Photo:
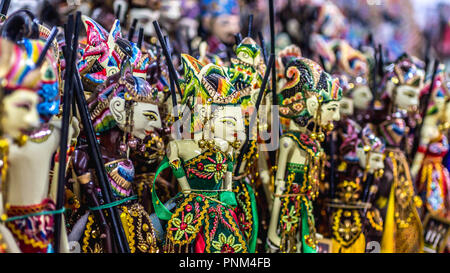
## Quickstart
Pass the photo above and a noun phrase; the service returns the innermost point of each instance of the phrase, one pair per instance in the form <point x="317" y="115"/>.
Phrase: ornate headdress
<point x="246" y="71"/>
<point x="123" y="85"/>
<point x="105" y="52"/>
<point x="305" y="79"/>
<point x="18" y="71"/>
<point x="404" y="71"/>
<point x="206" y="85"/>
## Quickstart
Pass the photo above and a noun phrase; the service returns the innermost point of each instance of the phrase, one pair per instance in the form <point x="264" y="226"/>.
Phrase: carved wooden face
<point x="376" y="160"/>
<point x="346" y="106"/>
<point x="145" y="18"/>
<point x="362" y="97"/>
<point x="20" y="112"/>
<point x="330" y="112"/>
<point x="407" y="97"/>
<point x="225" y="26"/>
<point x="228" y="123"/>
<point x="146" y="117"/>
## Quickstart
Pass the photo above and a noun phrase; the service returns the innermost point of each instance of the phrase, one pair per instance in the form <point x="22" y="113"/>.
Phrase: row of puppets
<point x="114" y="140"/>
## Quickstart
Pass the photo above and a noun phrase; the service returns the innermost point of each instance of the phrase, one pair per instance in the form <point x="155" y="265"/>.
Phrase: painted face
<point x="407" y="97"/>
<point x="330" y="112"/>
<point x="362" y="97"/>
<point x="346" y="106"/>
<point x="145" y="19"/>
<point x="228" y="123"/>
<point x="20" y="112"/>
<point x="171" y="10"/>
<point x="225" y="26"/>
<point x="146" y="118"/>
<point x="376" y="160"/>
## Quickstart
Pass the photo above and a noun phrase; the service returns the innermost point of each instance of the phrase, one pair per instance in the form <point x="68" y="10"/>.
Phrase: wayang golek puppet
<point x="253" y="177"/>
<point x="310" y="99"/>
<point x="359" y="171"/>
<point x="125" y="110"/>
<point x="26" y="116"/>
<point x="402" y="226"/>
<point x="431" y="176"/>
<point x="203" y="219"/>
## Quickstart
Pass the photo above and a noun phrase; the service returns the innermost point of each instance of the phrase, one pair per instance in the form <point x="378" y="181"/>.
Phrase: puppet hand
<point x="265" y="176"/>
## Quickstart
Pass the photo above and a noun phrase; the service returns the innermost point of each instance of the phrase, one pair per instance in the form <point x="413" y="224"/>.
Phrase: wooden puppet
<point x="397" y="201"/>
<point x="432" y="178"/>
<point x="246" y="73"/>
<point x="203" y="219"/>
<point x="221" y="21"/>
<point x="124" y="112"/>
<point x="361" y="157"/>
<point x="33" y="233"/>
<point x="310" y="98"/>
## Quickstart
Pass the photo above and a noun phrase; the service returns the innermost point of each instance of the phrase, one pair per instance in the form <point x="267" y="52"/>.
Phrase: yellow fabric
<point x="388" y="240"/>
<point x="358" y="247"/>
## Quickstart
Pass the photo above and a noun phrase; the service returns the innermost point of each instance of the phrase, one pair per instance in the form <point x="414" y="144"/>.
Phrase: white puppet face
<point x="225" y="27"/>
<point x="346" y="106"/>
<point x="362" y="97"/>
<point x="145" y="18"/>
<point x="330" y="112"/>
<point x="376" y="160"/>
<point x="146" y="117"/>
<point x="20" y="112"/>
<point x="171" y="10"/>
<point x="407" y="97"/>
<point x="228" y="123"/>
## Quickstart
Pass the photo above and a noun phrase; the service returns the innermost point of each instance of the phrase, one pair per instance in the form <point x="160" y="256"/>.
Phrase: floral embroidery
<point x="226" y="245"/>
<point x="290" y="219"/>
<point x="306" y="140"/>
<point x="186" y="221"/>
<point x="218" y="167"/>
<point x="183" y="226"/>
<point x="215" y="170"/>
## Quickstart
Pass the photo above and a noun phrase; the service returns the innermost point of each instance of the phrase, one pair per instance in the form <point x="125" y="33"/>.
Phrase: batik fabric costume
<point x="402" y="226"/>
<point x="302" y="180"/>
<point x="433" y="180"/>
<point x="246" y="76"/>
<point x="203" y="220"/>
<point x="120" y="170"/>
